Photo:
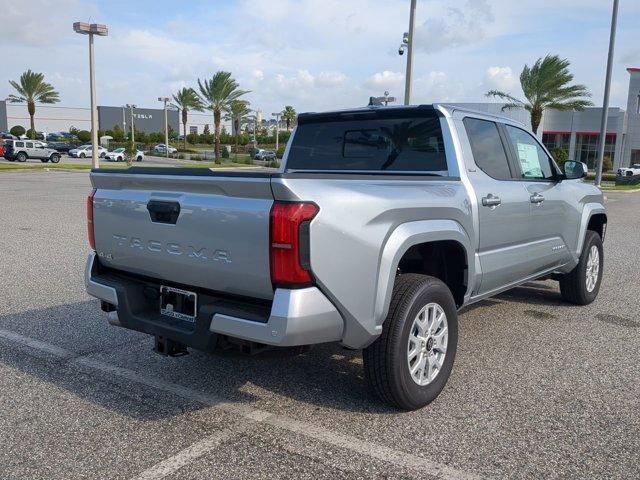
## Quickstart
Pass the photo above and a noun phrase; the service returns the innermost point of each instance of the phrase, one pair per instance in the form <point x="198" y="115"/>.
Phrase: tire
<point x="82" y="155"/>
<point x="138" y="159"/>
<point x="21" y="157"/>
<point x="575" y="287"/>
<point x="55" y="158"/>
<point x="102" y="155"/>
<point x="387" y="361"/>
<point x="119" y="159"/>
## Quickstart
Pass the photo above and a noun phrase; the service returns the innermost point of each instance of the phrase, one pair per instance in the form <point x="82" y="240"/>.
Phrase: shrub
<point x="607" y="164"/>
<point x="280" y="152"/>
<point x="17" y="130"/>
<point x="84" y="136"/>
<point x="130" y="152"/>
<point x="225" y="152"/>
<point x="560" y="155"/>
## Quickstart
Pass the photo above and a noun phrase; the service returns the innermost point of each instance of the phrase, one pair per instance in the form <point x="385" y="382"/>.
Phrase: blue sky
<point x="313" y="54"/>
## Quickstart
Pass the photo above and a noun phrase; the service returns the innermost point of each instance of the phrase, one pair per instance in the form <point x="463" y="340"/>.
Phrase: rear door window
<point x="487" y="148"/>
<point x="19" y="144"/>
<point x="413" y="145"/>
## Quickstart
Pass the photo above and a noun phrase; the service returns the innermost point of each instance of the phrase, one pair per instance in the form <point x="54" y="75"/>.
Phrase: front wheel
<point x="55" y="158"/>
<point x="582" y="284"/>
<point x="410" y="363"/>
<point x="82" y="155"/>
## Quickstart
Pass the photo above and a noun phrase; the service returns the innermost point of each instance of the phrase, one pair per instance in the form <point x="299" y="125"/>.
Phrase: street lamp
<point x="277" y="115"/>
<point x="133" y="130"/>
<point x="407" y="44"/>
<point x="102" y="31"/>
<point x="166" y="125"/>
<point x="607" y="90"/>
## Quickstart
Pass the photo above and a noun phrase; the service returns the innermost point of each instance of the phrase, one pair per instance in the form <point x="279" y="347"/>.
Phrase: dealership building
<point x="576" y="132"/>
<point x="55" y="118"/>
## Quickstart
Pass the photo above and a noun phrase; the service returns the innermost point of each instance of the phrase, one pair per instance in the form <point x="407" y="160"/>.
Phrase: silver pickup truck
<point x="379" y="226"/>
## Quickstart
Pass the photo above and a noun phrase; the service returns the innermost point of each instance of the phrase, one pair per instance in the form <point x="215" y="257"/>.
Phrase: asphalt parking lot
<point x="540" y="389"/>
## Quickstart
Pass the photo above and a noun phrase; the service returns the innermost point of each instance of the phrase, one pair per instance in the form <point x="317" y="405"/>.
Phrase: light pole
<point x="166" y="125"/>
<point x="607" y="90"/>
<point x="277" y="115"/>
<point x="130" y="106"/>
<point x="407" y="44"/>
<point x="102" y="31"/>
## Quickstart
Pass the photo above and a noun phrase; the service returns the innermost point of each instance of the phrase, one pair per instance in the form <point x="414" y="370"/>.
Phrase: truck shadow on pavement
<point x="327" y="376"/>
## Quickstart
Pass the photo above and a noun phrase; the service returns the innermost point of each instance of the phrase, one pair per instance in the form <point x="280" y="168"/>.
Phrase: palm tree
<point x="238" y="111"/>
<point x="289" y="115"/>
<point x="217" y="93"/>
<point x="546" y="85"/>
<point x="31" y="89"/>
<point x="187" y="99"/>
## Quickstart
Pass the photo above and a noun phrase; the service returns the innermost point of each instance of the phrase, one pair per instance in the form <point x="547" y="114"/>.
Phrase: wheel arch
<point x="594" y="216"/>
<point x="424" y="247"/>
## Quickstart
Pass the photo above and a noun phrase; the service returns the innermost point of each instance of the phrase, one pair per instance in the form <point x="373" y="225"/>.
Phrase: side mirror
<point x="575" y="170"/>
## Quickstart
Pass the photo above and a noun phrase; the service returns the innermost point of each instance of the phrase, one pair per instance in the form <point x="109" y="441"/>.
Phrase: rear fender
<point x="403" y="238"/>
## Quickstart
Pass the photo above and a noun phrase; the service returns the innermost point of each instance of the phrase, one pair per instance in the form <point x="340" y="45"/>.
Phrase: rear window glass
<point x="19" y="144"/>
<point x="488" y="150"/>
<point x="378" y="145"/>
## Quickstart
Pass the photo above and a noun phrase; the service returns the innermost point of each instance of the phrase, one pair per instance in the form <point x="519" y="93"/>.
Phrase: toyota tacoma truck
<point x="380" y="224"/>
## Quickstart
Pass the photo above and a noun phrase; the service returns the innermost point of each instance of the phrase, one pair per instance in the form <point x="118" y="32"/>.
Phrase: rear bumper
<point x="295" y="317"/>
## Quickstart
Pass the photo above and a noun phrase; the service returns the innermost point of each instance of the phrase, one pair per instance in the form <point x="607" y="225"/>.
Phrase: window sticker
<point x="529" y="162"/>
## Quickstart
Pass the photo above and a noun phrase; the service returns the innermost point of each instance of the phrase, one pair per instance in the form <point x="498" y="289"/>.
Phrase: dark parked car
<point x="62" y="147"/>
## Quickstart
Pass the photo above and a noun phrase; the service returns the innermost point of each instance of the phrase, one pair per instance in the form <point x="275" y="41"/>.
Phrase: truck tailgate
<point x="205" y="231"/>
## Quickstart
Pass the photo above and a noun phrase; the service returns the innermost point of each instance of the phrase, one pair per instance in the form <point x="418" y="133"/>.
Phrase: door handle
<point x="491" y="201"/>
<point x="536" y="198"/>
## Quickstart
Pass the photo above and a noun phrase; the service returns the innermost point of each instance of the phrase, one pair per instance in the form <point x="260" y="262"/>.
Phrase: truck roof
<point x="396" y="111"/>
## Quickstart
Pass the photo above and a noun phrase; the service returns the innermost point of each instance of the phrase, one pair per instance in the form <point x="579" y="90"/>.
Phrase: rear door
<point x="198" y="230"/>
<point x="503" y="207"/>
<point x="30" y="149"/>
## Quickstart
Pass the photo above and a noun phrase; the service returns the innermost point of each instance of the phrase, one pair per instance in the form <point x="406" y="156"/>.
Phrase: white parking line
<point x="185" y="457"/>
<point x="349" y="442"/>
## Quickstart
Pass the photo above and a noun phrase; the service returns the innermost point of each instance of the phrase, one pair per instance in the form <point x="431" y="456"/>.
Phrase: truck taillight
<point x="290" y="243"/>
<point x="90" y="232"/>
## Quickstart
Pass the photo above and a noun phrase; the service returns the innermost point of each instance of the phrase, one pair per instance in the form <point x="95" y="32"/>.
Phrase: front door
<point x="503" y="208"/>
<point x="550" y="212"/>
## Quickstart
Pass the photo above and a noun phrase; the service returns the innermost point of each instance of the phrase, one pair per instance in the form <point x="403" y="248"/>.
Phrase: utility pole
<point x="607" y="91"/>
<point x="166" y="125"/>
<point x="407" y="41"/>
<point x="277" y="115"/>
<point x="102" y="31"/>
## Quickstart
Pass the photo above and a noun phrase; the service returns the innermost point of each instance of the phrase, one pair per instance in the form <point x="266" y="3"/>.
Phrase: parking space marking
<point x="354" y="444"/>
<point x="185" y="457"/>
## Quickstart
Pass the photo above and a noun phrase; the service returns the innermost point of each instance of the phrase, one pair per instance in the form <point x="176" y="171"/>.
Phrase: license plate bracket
<point x="178" y="303"/>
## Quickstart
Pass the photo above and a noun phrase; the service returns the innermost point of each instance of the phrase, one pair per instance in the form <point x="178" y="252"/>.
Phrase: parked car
<point x="162" y="148"/>
<point x="118" y="155"/>
<point x="62" y="147"/>
<point x="7" y="136"/>
<point x="1" y="150"/>
<point x="265" y="155"/>
<point x="630" y="171"/>
<point x="380" y="224"/>
<point x="21" y="150"/>
<point x="84" y="151"/>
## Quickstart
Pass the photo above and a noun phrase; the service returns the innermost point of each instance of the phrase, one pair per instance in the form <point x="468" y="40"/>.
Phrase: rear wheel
<point x="410" y="363"/>
<point x="21" y="157"/>
<point x="82" y="155"/>
<point x="582" y="284"/>
<point x="55" y="158"/>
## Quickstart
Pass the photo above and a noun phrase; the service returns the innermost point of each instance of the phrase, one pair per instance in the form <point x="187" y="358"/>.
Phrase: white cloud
<point x="258" y="74"/>
<point x="331" y="79"/>
<point x="386" y="80"/>
<point x="501" y="78"/>
<point x="455" y="26"/>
